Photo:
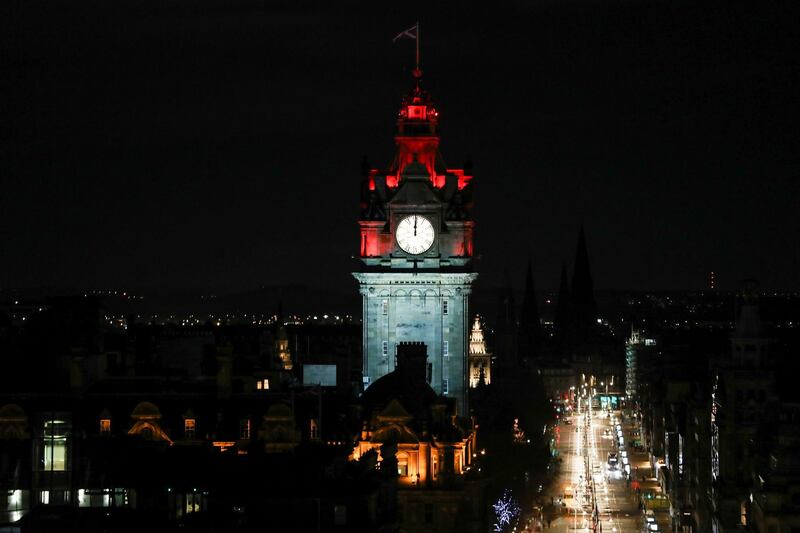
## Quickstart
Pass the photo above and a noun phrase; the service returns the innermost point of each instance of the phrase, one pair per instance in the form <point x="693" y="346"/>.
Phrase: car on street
<point x="613" y="461"/>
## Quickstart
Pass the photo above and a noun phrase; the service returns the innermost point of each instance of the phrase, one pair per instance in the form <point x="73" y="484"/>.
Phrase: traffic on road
<point x="596" y="479"/>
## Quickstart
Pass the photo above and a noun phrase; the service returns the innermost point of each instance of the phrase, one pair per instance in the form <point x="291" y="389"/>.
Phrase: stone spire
<point x="477" y="346"/>
<point x="506" y="325"/>
<point x="584" y="307"/>
<point x="563" y="308"/>
<point x="506" y="312"/>
<point x="480" y="360"/>
<point x="530" y="332"/>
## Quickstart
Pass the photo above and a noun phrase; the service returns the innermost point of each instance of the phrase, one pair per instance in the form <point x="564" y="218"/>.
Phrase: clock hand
<point x="415" y="226"/>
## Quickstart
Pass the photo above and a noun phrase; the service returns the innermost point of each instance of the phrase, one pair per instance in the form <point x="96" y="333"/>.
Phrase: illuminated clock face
<point x="415" y="234"/>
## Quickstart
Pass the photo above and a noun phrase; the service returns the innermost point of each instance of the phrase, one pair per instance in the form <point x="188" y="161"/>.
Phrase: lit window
<point x="259" y="385"/>
<point x="193" y="502"/>
<point x="444" y="307"/>
<point x="188" y="428"/>
<point x="385" y="306"/>
<point x="385" y="348"/>
<point x="105" y="425"/>
<point x="446" y="349"/>
<point x="265" y="384"/>
<point x="314" y="429"/>
<point x="445" y="386"/>
<point x="244" y="429"/>
<point x="14" y="499"/>
<point x="44" y="497"/>
<point x="340" y="515"/>
<point x="55" y="446"/>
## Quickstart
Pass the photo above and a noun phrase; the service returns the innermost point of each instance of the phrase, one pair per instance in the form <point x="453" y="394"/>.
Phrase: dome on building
<point x="146" y="411"/>
<point x="406" y="383"/>
<point x="413" y="394"/>
<point x="12" y="412"/>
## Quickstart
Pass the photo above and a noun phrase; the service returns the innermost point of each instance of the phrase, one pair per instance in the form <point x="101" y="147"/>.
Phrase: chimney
<point x="412" y="360"/>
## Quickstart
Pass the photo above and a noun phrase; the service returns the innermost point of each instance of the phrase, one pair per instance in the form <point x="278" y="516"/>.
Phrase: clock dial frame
<point x="415" y="234"/>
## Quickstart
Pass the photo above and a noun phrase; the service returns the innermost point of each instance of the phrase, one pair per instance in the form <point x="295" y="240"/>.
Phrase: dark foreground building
<point x="100" y="432"/>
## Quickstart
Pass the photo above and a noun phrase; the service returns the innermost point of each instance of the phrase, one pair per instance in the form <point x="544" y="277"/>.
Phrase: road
<point x="583" y="445"/>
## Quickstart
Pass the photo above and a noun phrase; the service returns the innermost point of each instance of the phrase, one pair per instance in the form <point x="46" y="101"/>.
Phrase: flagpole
<point x="418" y="37"/>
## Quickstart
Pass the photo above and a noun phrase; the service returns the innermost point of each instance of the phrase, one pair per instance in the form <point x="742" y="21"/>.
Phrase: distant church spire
<point x="506" y="316"/>
<point x="529" y="326"/>
<point x="582" y="286"/>
<point x="563" y="308"/>
<point x="583" y="303"/>
<point x="506" y="325"/>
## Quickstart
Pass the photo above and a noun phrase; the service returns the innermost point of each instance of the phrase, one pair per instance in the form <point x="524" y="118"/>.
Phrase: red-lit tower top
<point x="417" y="181"/>
<point x="417" y="137"/>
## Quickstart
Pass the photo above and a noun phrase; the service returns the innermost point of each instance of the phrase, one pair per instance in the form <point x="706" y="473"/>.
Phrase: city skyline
<point x="266" y="268"/>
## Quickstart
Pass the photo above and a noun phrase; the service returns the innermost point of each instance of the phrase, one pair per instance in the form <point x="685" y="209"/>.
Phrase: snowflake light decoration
<point x="506" y="509"/>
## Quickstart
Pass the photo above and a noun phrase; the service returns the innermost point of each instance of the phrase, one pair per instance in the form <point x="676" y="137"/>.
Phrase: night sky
<point x="199" y="144"/>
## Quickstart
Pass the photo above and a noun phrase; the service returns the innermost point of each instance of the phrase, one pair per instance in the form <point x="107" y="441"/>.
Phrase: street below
<point x="587" y="493"/>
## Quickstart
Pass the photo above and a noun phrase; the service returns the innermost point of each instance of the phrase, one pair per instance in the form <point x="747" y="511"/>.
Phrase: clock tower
<point x="416" y="253"/>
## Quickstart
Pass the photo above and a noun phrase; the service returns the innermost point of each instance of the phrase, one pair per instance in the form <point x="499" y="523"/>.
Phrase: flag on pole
<point x="411" y="33"/>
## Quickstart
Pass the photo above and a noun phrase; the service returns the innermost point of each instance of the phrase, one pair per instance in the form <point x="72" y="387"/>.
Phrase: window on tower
<point x="385" y="307"/>
<point x="446" y="348"/>
<point x="385" y="350"/>
<point x="444" y="307"/>
<point x="445" y="386"/>
<point x="189" y="428"/>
